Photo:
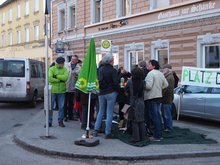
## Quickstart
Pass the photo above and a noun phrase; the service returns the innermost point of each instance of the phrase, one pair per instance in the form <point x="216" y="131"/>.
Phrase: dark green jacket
<point x="168" y="92"/>
<point x="57" y="78"/>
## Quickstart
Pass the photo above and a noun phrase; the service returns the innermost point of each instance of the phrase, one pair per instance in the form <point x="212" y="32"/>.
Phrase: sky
<point x="1" y="1"/>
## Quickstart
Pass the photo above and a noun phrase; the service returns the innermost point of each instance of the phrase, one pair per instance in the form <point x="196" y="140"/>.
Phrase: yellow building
<point x="22" y="29"/>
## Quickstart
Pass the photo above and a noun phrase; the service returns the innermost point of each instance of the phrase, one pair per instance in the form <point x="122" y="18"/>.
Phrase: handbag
<point x="77" y="105"/>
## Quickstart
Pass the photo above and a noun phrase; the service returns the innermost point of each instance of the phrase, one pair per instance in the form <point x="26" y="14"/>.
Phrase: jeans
<point x="106" y="105"/>
<point x="155" y="108"/>
<point x="61" y="98"/>
<point x="167" y="116"/>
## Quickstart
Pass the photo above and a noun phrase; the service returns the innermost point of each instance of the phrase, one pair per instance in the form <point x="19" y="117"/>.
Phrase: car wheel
<point x="34" y="101"/>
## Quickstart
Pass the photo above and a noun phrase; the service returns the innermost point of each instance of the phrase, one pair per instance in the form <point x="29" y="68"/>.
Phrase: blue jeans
<point x="155" y="108"/>
<point x="106" y="105"/>
<point x="61" y="98"/>
<point x="167" y="116"/>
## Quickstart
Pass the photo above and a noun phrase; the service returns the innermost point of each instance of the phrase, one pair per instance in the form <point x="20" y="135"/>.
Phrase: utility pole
<point x="46" y="89"/>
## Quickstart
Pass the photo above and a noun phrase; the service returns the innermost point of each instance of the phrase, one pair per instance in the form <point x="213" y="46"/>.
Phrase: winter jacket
<point x="57" y="78"/>
<point x="155" y="83"/>
<point x="168" y="92"/>
<point x="73" y="76"/>
<point x="108" y="79"/>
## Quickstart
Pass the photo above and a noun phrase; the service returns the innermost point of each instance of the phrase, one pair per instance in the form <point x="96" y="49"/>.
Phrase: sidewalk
<point x="32" y="137"/>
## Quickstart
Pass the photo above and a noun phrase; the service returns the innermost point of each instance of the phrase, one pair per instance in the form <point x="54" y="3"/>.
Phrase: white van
<point x="21" y="79"/>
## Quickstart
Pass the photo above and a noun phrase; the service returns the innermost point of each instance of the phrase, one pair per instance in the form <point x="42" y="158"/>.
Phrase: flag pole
<point x="88" y="116"/>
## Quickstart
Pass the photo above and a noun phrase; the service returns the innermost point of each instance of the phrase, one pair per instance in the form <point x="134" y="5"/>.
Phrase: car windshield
<point x="12" y="68"/>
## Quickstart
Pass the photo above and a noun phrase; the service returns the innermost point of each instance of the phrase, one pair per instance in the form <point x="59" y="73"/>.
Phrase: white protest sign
<point x="106" y="46"/>
<point x="201" y="77"/>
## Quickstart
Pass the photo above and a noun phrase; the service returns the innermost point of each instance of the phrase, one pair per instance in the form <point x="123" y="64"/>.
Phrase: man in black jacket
<point x="108" y="84"/>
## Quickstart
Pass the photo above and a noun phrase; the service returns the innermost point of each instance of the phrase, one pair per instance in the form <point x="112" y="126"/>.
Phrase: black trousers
<point x="121" y="114"/>
<point x="68" y="105"/>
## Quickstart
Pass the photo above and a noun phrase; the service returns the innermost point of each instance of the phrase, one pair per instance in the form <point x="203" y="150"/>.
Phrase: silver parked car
<point x="202" y="102"/>
<point x="21" y="80"/>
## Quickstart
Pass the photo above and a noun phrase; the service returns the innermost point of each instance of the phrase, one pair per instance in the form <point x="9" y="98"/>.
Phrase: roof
<point x="6" y="3"/>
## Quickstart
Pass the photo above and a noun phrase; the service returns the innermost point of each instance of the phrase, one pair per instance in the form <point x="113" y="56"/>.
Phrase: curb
<point x="52" y="153"/>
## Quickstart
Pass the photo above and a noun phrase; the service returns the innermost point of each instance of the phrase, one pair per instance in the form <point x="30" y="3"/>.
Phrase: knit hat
<point x="60" y="60"/>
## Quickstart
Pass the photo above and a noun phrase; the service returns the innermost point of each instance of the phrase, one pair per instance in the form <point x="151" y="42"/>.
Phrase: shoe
<point x="167" y="130"/>
<point x="70" y="118"/>
<point x="61" y="124"/>
<point x="65" y="119"/>
<point x="50" y="125"/>
<point x="109" y="136"/>
<point x="155" y="139"/>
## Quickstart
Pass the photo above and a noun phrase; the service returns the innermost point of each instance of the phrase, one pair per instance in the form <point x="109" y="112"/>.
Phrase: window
<point x="34" y="73"/>
<point x="18" y="34"/>
<point x="18" y="11"/>
<point x="36" y="5"/>
<point x="195" y="89"/>
<point x="3" y="39"/>
<point x="13" y="68"/>
<point x="211" y="56"/>
<point x="72" y="17"/>
<point x="160" y="51"/>
<point x="96" y="11"/>
<point x="154" y="4"/>
<point x="36" y="32"/>
<point x="61" y="17"/>
<point x="123" y="8"/>
<point x="1" y="71"/>
<point x="215" y="90"/>
<point x="26" y="31"/>
<point x="9" y="38"/>
<point x="162" y="56"/>
<point x="134" y="58"/>
<point x="9" y="15"/>
<point x="26" y="7"/>
<point x="3" y="18"/>
<point x="126" y="7"/>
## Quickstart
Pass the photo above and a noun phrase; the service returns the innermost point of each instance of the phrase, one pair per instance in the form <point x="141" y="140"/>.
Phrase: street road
<point x="13" y="116"/>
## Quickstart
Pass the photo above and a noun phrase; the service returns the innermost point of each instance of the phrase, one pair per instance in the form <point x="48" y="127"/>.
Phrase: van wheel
<point x="33" y="102"/>
<point x="174" y="112"/>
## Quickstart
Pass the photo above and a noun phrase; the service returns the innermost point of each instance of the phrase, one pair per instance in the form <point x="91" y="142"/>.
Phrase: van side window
<point x="40" y="70"/>
<point x="33" y="71"/>
<point x="1" y="68"/>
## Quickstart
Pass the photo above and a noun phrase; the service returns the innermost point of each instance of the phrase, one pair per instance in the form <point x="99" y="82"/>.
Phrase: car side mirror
<point x="182" y="90"/>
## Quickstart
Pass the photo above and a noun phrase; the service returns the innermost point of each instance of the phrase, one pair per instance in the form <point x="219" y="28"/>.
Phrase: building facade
<point x="178" y="32"/>
<point x="22" y="29"/>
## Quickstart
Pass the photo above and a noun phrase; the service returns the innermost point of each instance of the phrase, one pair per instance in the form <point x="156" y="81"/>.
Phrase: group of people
<point x="147" y="90"/>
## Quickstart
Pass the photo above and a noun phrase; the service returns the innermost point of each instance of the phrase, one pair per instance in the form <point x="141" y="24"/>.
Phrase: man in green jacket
<point x="58" y="76"/>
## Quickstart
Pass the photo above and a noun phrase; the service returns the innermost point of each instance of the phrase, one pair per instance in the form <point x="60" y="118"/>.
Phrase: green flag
<point x="87" y="80"/>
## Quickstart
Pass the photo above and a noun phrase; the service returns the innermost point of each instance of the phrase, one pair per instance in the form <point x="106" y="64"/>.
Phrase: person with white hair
<point x="108" y="85"/>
